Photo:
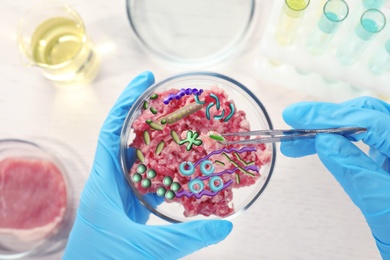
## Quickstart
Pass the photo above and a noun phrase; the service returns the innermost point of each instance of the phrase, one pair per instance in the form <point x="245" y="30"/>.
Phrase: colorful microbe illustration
<point x="160" y="147"/>
<point x="217" y="137"/>
<point x="181" y="93"/>
<point x="217" y="105"/>
<point x="140" y="155"/>
<point x="144" y="176"/>
<point x="181" y="155"/>
<point x="168" y="188"/>
<point x="145" y="105"/>
<point x="192" y="139"/>
<point x="197" y="186"/>
<point x="181" y="113"/>
<point x="155" y="126"/>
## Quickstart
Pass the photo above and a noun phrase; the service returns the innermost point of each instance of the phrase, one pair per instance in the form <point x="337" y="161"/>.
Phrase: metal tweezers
<point x="278" y="135"/>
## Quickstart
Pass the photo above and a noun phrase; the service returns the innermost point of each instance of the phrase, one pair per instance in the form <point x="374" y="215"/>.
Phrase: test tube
<point x="374" y="4"/>
<point x="380" y="61"/>
<point x="290" y="20"/>
<point x="334" y="12"/>
<point x="371" y="22"/>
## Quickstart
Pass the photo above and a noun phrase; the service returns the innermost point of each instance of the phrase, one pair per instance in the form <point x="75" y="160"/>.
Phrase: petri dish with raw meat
<point x="172" y="152"/>
<point x="36" y="202"/>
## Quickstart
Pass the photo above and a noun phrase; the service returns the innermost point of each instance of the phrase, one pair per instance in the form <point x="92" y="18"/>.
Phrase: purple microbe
<point x="188" y="91"/>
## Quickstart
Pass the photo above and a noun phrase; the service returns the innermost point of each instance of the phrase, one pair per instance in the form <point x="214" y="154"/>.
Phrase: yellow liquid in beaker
<point x="60" y="46"/>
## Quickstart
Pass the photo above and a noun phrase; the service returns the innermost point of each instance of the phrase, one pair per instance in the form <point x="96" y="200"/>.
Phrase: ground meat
<point x="235" y="165"/>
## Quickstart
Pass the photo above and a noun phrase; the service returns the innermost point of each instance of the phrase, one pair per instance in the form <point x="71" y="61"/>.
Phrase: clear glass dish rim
<point x="69" y="186"/>
<point x="148" y="92"/>
<point x="211" y="59"/>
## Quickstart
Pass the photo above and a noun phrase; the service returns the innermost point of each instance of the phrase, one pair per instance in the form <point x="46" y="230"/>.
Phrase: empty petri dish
<point x="193" y="33"/>
<point x="37" y="199"/>
<point x="171" y="150"/>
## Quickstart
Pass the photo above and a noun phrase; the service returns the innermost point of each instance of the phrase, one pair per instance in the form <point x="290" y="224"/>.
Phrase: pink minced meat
<point x="33" y="197"/>
<point x="167" y="162"/>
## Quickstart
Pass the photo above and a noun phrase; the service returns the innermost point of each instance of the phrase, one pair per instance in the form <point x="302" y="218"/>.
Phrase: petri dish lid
<point x="191" y="32"/>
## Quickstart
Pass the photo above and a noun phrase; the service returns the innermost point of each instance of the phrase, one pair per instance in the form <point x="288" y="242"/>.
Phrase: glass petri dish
<point x="172" y="155"/>
<point x="191" y="33"/>
<point x="38" y="199"/>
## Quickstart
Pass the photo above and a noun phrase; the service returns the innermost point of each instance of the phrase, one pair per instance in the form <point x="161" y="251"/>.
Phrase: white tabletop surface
<point x="303" y="214"/>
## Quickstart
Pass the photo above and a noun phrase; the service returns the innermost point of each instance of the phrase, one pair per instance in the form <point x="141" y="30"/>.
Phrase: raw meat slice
<point x="33" y="197"/>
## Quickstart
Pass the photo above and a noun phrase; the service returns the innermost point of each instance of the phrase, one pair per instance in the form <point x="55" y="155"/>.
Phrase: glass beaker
<point x="373" y="4"/>
<point x="290" y="21"/>
<point x="371" y="22"/>
<point x="380" y="61"/>
<point x="52" y="37"/>
<point x="334" y="12"/>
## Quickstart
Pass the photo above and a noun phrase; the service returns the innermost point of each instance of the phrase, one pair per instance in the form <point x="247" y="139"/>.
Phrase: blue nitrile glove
<point x="366" y="179"/>
<point x="110" y="222"/>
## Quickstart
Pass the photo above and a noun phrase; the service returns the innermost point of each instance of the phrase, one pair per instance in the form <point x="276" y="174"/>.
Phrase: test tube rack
<point x="357" y="76"/>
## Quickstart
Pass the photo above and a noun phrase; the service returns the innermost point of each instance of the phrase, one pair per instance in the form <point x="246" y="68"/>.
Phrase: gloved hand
<point x="110" y="222"/>
<point x="366" y="179"/>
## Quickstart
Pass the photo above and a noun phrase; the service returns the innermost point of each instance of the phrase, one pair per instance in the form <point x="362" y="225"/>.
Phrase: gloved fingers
<point x="298" y="148"/>
<point x="121" y="238"/>
<point x="379" y="158"/>
<point x="327" y="115"/>
<point x="178" y="240"/>
<point x="138" y="212"/>
<point x="134" y="209"/>
<point x="107" y="153"/>
<point x="386" y="165"/>
<point x="366" y="183"/>
<point x="379" y="105"/>
<point x="306" y="147"/>
<point x="106" y="181"/>
<point x="113" y="124"/>
<point x="107" y="193"/>
<point x="369" y="103"/>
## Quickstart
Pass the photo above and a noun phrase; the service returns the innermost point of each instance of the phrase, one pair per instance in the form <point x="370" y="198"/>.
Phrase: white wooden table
<point x="303" y="214"/>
